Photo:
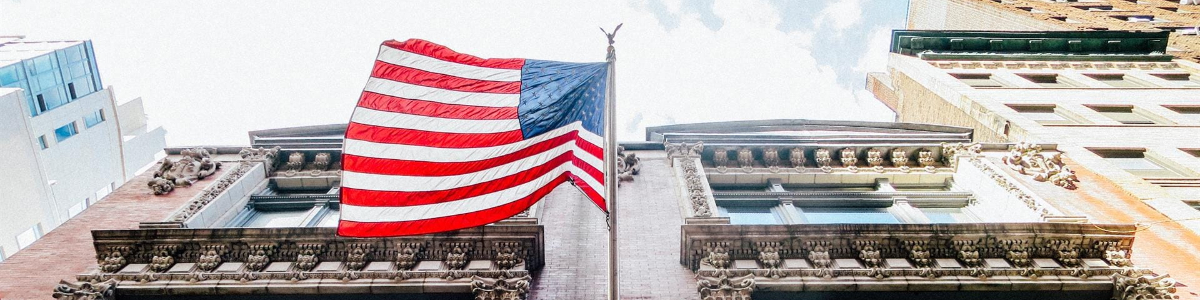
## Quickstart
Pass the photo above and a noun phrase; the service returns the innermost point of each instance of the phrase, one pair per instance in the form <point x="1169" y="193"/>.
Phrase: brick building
<point x="782" y="209"/>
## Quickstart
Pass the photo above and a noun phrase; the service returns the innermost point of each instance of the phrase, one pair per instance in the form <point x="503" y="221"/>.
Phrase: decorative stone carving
<point x="321" y="161"/>
<point x="356" y="255"/>
<point x="163" y="257"/>
<point x="723" y="287"/>
<point x="295" y="162"/>
<point x="821" y="156"/>
<point x="306" y="257"/>
<point x="721" y="157"/>
<point x="682" y="150"/>
<point x="899" y="158"/>
<point x="85" y="290"/>
<point x="458" y="255"/>
<point x="408" y="255"/>
<point x="211" y="192"/>
<point x="951" y="150"/>
<point x="113" y="259"/>
<point x="500" y="288"/>
<point x="697" y="194"/>
<point x="925" y="158"/>
<point x="1143" y="287"/>
<point x="771" y="157"/>
<point x="1002" y="180"/>
<point x="818" y="254"/>
<point x="745" y="158"/>
<point x="717" y="256"/>
<point x="509" y="255"/>
<point x="210" y="257"/>
<point x="849" y="157"/>
<point x="195" y="165"/>
<point x="797" y="158"/>
<point x="1113" y="254"/>
<point x="768" y="255"/>
<point x="628" y="164"/>
<point x="874" y="157"/>
<point x="1027" y="159"/>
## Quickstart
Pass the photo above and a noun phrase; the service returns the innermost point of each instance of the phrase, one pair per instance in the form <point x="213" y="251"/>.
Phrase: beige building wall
<point x="930" y="92"/>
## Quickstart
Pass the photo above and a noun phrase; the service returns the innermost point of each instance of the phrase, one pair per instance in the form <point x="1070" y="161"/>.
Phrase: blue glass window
<point x="42" y="142"/>
<point x="94" y="118"/>
<point x="848" y="215"/>
<point x="750" y="215"/>
<point x="10" y="75"/>
<point x="65" y="132"/>
<point x="946" y="215"/>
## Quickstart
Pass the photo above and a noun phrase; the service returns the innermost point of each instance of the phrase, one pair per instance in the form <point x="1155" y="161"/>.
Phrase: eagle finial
<point x="612" y="35"/>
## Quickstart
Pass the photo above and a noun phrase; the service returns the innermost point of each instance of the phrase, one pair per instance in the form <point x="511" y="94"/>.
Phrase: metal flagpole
<point x="610" y="162"/>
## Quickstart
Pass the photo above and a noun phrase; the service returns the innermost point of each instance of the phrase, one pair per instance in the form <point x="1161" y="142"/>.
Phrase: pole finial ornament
<point x="612" y="35"/>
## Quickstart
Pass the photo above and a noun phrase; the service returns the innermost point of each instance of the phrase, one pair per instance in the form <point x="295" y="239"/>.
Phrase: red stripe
<point x="590" y="192"/>
<point x="442" y="81"/>
<point x="386" y="166"/>
<point x="429" y="49"/>
<point x="404" y="136"/>
<point x="467" y="220"/>
<point x="361" y="197"/>
<point x="387" y="103"/>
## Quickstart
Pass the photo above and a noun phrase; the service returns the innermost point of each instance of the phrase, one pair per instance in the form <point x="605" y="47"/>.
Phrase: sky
<point x="209" y="71"/>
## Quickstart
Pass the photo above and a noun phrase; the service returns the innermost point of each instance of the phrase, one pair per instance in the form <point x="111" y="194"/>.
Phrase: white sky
<point x="211" y="71"/>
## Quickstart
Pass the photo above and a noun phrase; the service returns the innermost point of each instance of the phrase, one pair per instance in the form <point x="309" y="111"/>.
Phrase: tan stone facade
<point x="1122" y="120"/>
<point x="1039" y="15"/>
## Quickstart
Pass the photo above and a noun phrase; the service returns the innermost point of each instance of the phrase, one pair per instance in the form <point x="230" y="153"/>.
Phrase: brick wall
<point x="67" y="251"/>
<point x="918" y="104"/>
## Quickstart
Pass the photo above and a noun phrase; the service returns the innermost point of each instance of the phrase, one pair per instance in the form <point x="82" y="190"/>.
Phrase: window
<point x="29" y="236"/>
<point x="65" y="132"/>
<point x="272" y="208"/>
<point x="77" y="208"/>
<point x="978" y="80"/>
<point x="1135" y="162"/>
<point x="1141" y="18"/>
<point x="855" y="215"/>
<point x="1046" y="114"/>
<point x="71" y="91"/>
<point x="1185" y="109"/>
<point x="750" y="215"/>
<point x="42" y="142"/>
<point x="1048" y="80"/>
<point x="1123" y="114"/>
<point x="947" y="215"/>
<point x="1183" y="80"/>
<point x="93" y="118"/>
<point x="1118" y="80"/>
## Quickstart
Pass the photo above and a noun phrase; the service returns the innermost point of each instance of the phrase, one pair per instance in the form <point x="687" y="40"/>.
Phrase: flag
<point x="442" y="140"/>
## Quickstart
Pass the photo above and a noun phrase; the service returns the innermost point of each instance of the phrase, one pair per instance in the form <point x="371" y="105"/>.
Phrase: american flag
<point x="442" y="140"/>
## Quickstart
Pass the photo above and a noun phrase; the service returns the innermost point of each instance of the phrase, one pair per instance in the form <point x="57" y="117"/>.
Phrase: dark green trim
<point x="1033" y="45"/>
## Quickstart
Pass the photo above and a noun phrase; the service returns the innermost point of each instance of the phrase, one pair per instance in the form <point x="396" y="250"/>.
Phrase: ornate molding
<point x="500" y="288"/>
<point x="1012" y="187"/>
<point x="724" y="287"/>
<point x="194" y="165"/>
<point x="212" y="191"/>
<point x="85" y="290"/>
<point x="1143" y="287"/>
<point x="1028" y="159"/>
<point x="697" y="188"/>
<point x="628" y="165"/>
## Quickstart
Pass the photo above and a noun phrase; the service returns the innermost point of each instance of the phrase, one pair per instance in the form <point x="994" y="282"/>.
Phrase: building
<point x="793" y="209"/>
<point x="1180" y="18"/>
<point x="1117" y="103"/>
<point x="67" y="142"/>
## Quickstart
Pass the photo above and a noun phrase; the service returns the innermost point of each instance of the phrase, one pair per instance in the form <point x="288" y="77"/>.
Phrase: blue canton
<point x="555" y="94"/>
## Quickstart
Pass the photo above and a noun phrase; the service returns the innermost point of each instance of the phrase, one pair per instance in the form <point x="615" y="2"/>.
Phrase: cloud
<point x="839" y="15"/>
<point x="876" y="57"/>
<point x="211" y="72"/>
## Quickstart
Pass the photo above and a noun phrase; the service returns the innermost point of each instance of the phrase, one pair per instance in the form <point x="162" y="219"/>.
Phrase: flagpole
<point x="610" y="162"/>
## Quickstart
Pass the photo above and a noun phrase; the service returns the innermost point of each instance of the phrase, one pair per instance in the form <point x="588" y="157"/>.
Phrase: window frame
<point x="974" y="82"/>
<point x="1119" y="112"/>
<point x="1059" y="80"/>
<point x="1132" y="82"/>
<point x="896" y="201"/>
<point x="98" y="116"/>
<point x="73" y="129"/>
<point x="316" y="205"/>
<point x="1111" y="156"/>
<point x="1028" y="111"/>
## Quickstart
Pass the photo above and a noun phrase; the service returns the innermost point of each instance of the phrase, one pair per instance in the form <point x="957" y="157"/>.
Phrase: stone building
<point x="780" y="209"/>
<point x="1181" y="18"/>
<point x="1116" y="103"/>
<point x="67" y="141"/>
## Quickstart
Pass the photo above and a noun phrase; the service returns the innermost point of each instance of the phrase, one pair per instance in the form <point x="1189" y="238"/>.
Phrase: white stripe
<point x="416" y="61"/>
<point x="433" y="154"/>
<point x="417" y="92"/>
<point x="368" y="116"/>
<point x="405" y="183"/>
<point x="436" y="210"/>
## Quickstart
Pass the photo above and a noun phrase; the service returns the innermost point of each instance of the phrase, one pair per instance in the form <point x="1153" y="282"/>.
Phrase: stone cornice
<point x="719" y="245"/>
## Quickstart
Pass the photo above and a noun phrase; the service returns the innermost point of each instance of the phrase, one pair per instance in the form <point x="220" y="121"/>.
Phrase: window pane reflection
<point x="856" y="215"/>
<point x="274" y="219"/>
